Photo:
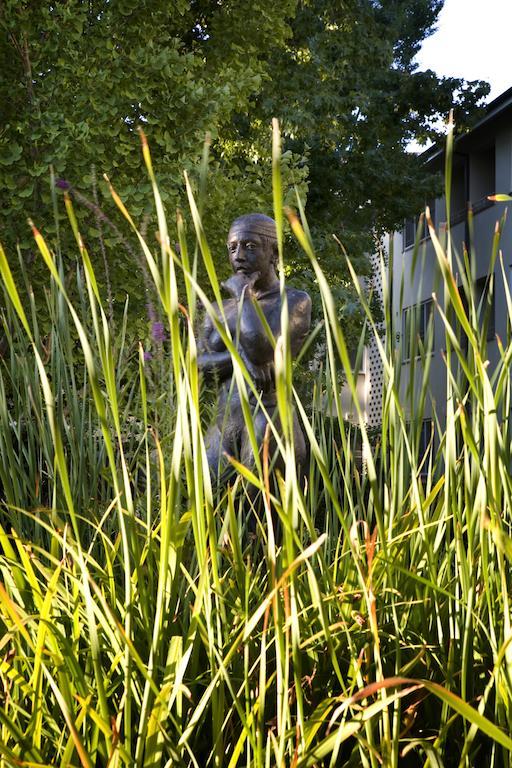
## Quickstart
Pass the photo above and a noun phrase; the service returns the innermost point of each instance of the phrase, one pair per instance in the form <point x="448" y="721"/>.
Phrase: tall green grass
<point x="141" y="623"/>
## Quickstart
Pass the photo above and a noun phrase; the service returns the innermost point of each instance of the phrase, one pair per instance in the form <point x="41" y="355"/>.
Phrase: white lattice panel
<point x="375" y="378"/>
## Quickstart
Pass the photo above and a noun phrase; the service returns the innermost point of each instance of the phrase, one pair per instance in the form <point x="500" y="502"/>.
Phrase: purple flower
<point x="63" y="184"/>
<point x="147" y="357"/>
<point x="158" y="332"/>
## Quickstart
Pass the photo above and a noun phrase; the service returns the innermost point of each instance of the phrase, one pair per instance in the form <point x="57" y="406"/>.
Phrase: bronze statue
<point x="252" y="250"/>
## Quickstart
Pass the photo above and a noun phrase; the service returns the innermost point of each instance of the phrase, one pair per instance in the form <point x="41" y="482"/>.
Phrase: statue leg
<point x="246" y="453"/>
<point x="213" y="442"/>
<point x="255" y="506"/>
<point x="301" y="449"/>
<point x="224" y="437"/>
<point x="260" y="425"/>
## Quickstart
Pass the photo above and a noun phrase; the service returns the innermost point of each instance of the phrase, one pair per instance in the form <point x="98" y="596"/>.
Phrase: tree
<point x="340" y="74"/>
<point x="79" y="77"/>
<point x="351" y="99"/>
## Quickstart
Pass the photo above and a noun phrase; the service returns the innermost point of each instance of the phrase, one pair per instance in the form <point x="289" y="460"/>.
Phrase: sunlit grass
<point x="142" y="625"/>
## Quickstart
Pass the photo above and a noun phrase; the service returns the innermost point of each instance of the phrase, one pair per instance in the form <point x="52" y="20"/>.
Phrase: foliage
<point x="348" y="92"/>
<point x="78" y="77"/>
<point x="141" y="624"/>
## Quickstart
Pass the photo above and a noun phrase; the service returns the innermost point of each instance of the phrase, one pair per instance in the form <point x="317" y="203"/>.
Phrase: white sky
<point x="473" y="41"/>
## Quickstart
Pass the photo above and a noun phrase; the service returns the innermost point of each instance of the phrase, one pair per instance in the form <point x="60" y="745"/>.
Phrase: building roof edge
<point x="493" y="110"/>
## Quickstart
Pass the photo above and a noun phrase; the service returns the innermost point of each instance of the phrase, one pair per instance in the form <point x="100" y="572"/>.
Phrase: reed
<point x="141" y="624"/>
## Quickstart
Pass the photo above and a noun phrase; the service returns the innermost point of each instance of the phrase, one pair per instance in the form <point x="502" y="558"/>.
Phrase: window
<point x="482" y="178"/>
<point x="411" y="225"/>
<point x="484" y="300"/>
<point x="473" y="179"/>
<point x="417" y="328"/>
<point x="459" y="197"/>
<point x="409" y="232"/>
<point x="483" y="296"/>
<point x="425" y="443"/>
<point x="422" y="436"/>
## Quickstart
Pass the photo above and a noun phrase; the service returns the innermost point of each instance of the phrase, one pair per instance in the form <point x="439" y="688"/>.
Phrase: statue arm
<point x="213" y="358"/>
<point x="300" y="321"/>
<point x="215" y="361"/>
<point x="254" y="338"/>
<point x="255" y="345"/>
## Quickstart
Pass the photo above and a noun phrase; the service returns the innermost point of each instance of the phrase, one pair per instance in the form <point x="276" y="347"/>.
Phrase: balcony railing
<point x="477" y="207"/>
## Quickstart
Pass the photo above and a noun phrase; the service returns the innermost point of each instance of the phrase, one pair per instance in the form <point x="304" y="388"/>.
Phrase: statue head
<point x="252" y="246"/>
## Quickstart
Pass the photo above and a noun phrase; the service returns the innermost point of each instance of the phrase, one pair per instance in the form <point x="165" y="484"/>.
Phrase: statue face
<point x="249" y="252"/>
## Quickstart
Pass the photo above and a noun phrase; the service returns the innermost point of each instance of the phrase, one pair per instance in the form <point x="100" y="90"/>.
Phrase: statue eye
<point x="250" y="246"/>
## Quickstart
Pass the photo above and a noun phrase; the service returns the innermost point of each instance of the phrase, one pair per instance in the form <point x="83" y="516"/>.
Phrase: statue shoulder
<point x="299" y="300"/>
<point x="228" y="306"/>
<point x="299" y="309"/>
<point x="299" y="313"/>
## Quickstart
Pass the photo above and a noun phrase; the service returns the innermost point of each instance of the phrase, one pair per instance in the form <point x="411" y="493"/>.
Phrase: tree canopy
<point x="79" y="77"/>
<point x="350" y="97"/>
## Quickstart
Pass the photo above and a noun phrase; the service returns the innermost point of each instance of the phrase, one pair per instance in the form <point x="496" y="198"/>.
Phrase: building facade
<point x="482" y="166"/>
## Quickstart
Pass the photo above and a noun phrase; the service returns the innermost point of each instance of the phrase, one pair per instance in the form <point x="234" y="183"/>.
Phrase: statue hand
<point x="262" y="375"/>
<point x="238" y="284"/>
